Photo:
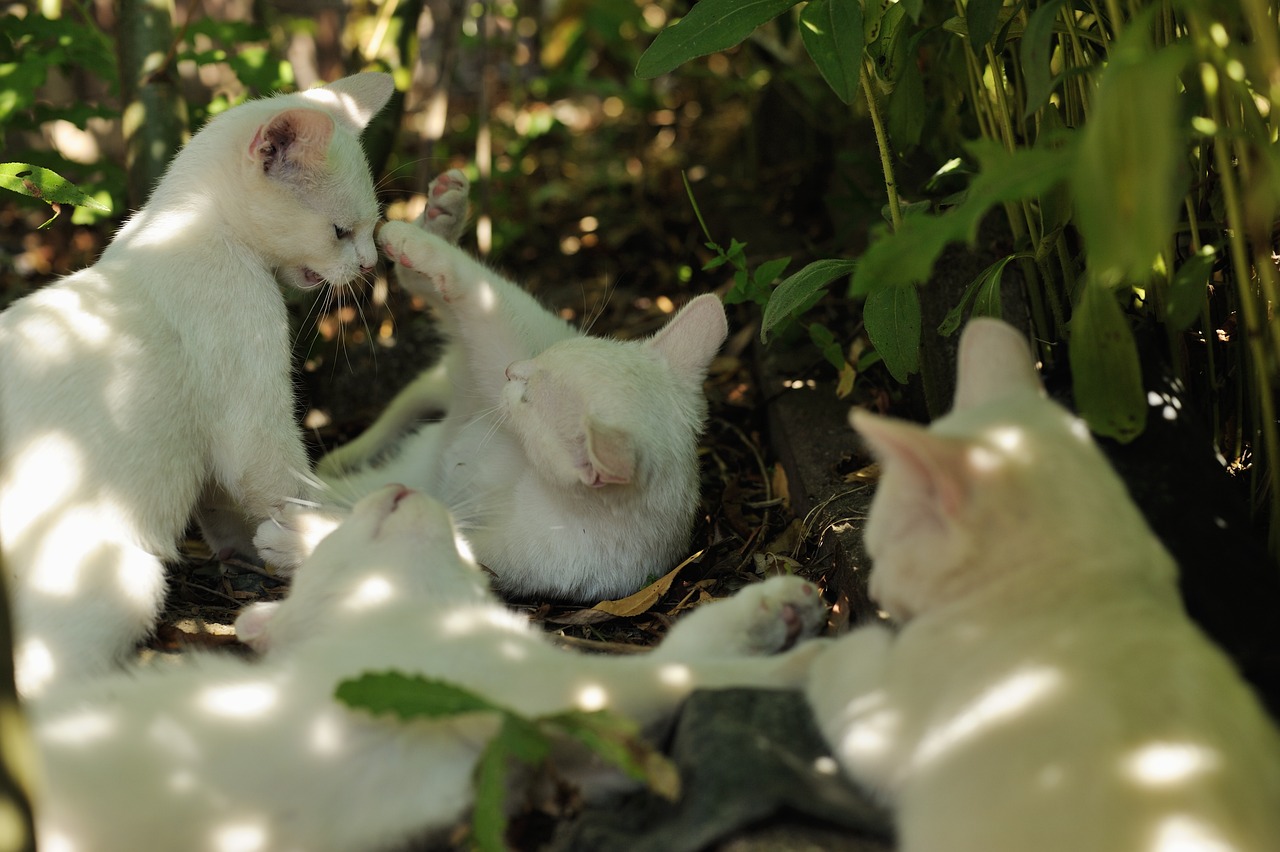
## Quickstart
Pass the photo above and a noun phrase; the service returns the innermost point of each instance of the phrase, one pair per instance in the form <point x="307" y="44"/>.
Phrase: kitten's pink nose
<point x="366" y="270"/>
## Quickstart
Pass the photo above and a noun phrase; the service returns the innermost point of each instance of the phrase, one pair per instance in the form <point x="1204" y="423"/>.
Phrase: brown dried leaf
<point x="643" y="600"/>
<point x="870" y="473"/>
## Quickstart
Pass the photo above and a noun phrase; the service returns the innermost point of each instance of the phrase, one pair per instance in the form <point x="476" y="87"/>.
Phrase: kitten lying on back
<point x="162" y="373"/>
<point x="570" y="461"/>
<point x="1045" y="691"/>
<point x="226" y="754"/>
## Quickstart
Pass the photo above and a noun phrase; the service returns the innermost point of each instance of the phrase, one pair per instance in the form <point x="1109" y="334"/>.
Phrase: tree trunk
<point x="155" y="115"/>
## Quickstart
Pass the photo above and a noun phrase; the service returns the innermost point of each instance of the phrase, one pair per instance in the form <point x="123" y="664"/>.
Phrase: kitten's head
<point x="397" y="546"/>
<point x="1007" y="481"/>
<point x="602" y="414"/>
<point x="307" y="202"/>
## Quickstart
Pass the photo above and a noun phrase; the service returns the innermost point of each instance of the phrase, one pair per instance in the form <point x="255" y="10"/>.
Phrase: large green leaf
<point x="411" y="696"/>
<point x="907" y="256"/>
<point x="1036" y="52"/>
<point x="1105" y="374"/>
<point x="517" y="739"/>
<point x="832" y="33"/>
<point x="45" y="185"/>
<point x="1128" y="183"/>
<point x="711" y="25"/>
<point x="1187" y="291"/>
<point x="982" y="18"/>
<point x="797" y="291"/>
<point x="892" y="319"/>
<point x="986" y="289"/>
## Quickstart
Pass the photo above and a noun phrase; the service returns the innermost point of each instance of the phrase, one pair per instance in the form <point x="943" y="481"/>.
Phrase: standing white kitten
<point x="162" y="372"/>
<point x="225" y="754"/>
<point x="570" y="461"/>
<point x="1045" y="691"/>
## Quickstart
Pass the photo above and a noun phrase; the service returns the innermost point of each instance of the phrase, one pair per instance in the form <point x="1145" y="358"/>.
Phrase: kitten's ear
<point x="611" y="456"/>
<point x="693" y="337"/>
<point x="994" y="361"/>
<point x="293" y="140"/>
<point x="251" y="624"/>
<point x="354" y="100"/>
<point x="936" y="465"/>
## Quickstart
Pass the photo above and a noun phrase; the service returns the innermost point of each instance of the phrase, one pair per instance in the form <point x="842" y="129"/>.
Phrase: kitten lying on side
<point x="226" y="754"/>
<point x="162" y="373"/>
<point x="570" y="461"/>
<point x="1045" y="691"/>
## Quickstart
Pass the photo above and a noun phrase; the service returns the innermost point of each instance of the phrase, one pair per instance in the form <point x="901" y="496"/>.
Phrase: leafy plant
<point x="520" y="739"/>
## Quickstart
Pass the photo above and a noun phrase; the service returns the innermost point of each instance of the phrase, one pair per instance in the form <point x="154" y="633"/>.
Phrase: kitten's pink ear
<point x="935" y="465"/>
<point x="693" y="337"/>
<point x="251" y="624"/>
<point x="356" y="99"/>
<point x="994" y="361"/>
<point x="293" y="140"/>
<point x="611" y="457"/>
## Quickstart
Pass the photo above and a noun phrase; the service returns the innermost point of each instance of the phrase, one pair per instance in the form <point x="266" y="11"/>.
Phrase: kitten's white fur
<point x="570" y="461"/>
<point x="227" y="754"/>
<point x="162" y="372"/>
<point x="1045" y="691"/>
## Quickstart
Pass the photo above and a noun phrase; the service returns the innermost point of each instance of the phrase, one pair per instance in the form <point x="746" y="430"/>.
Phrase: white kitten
<point x="226" y="754"/>
<point x="570" y="461"/>
<point x="1045" y="691"/>
<point x="162" y="372"/>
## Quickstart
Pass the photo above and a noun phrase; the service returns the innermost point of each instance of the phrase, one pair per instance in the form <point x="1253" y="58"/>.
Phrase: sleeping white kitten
<point x="1045" y="690"/>
<point x="162" y="373"/>
<point x="570" y="461"/>
<point x="226" y="754"/>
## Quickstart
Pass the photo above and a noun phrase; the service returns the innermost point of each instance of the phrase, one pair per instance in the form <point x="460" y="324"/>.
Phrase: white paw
<point x="446" y="213"/>
<point x="423" y="254"/>
<point x="762" y="618"/>
<point x="289" y="537"/>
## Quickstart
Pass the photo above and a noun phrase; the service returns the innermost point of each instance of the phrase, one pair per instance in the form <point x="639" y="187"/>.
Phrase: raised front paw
<point x="290" y="535"/>
<point x="446" y="213"/>
<point x="762" y="618"/>
<point x="426" y="261"/>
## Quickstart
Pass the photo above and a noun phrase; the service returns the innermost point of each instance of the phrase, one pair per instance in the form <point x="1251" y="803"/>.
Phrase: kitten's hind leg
<point x="762" y="618"/>
<point x="446" y="213"/>
<point x="289" y="537"/>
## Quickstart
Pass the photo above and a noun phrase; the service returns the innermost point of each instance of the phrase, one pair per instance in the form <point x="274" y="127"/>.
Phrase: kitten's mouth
<point x="311" y="277"/>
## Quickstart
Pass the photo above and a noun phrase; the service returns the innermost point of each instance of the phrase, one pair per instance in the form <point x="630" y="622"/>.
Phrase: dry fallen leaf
<point x="643" y="600"/>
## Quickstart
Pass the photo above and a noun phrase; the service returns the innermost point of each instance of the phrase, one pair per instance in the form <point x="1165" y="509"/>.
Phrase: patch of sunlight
<point x="34" y="666"/>
<point x="140" y="576"/>
<point x="1009" y="438"/>
<point x="1181" y="833"/>
<point x="371" y="592"/>
<point x="244" y="837"/>
<point x="40" y="476"/>
<point x="592" y="697"/>
<point x="1165" y="764"/>
<point x="1004" y="701"/>
<point x="826" y="765"/>
<point x="52" y="841"/>
<point x="174" y="739"/>
<point x="1080" y="430"/>
<point x="461" y="622"/>
<point x="983" y="460"/>
<point x="486" y="296"/>
<point x="182" y="781"/>
<point x="80" y="728"/>
<point x="676" y="675"/>
<point x="513" y="651"/>
<point x="154" y="231"/>
<point x="326" y="734"/>
<point x="239" y="700"/>
<point x="464" y="549"/>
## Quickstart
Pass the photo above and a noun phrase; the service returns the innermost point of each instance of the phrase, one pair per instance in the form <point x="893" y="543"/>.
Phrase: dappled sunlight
<point x="82" y="728"/>
<point x="52" y="841"/>
<point x="63" y="337"/>
<point x="1013" y="696"/>
<point x="1182" y="833"/>
<point x="486" y="296"/>
<point x="50" y="469"/>
<point x="675" y="674"/>
<point x="478" y="619"/>
<point x="871" y="726"/>
<point x="591" y="697"/>
<point x="34" y="666"/>
<point x="242" y="837"/>
<point x="239" y="701"/>
<point x="1167" y="764"/>
<point x="168" y="733"/>
<point x="325" y="735"/>
<point x="369" y="593"/>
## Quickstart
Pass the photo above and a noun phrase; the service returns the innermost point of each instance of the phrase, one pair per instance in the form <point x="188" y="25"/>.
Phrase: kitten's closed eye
<point x="341" y="232"/>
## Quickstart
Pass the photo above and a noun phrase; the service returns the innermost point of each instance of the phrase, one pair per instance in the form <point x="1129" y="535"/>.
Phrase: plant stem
<point x="886" y="153"/>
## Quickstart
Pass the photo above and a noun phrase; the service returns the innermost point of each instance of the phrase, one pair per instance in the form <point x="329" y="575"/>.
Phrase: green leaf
<point x="986" y="287"/>
<point x="1128" y="184"/>
<point x="907" y="256"/>
<point x="710" y="26"/>
<point x="1036" y="53"/>
<point x="411" y="696"/>
<point x="832" y="33"/>
<point x="1187" y="290"/>
<point x="1105" y="374"/>
<point x="769" y="271"/>
<point x="519" y="739"/>
<point x="798" y="289"/>
<point x="906" y="108"/>
<point x="982" y="17"/>
<point x="46" y="185"/>
<point x="617" y="741"/>
<point x="892" y="319"/>
<point x="827" y="344"/>
<point x="888" y="53"/>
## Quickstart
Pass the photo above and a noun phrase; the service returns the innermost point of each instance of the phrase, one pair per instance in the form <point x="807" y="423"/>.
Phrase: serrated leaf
<point x="411" y="696"/>
<point x="710" y="26"/>
<point x="832" y="33"/>
<point x="1128" y="184"/>
<point x="982" y="17"/>
<point x="1187" y="289"/>
<point x="1036" y="53"/>
<point x="1105" y="374"/>
<point x="46" y="185"/>
<point x="892" y="319"/>
<point x="798" y="289"/>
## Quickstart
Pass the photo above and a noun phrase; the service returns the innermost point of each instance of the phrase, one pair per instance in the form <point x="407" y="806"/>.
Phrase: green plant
<point x="1129" y="147"/>
<point x="519" y="738"/>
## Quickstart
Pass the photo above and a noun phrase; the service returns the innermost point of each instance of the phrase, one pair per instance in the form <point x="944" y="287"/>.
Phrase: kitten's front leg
<point x="287" y="538"/>
<point x="762" y="618"/>
<point x="434" y="261"/>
